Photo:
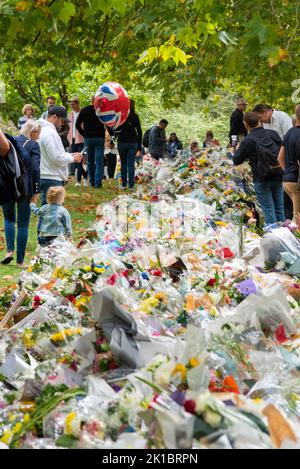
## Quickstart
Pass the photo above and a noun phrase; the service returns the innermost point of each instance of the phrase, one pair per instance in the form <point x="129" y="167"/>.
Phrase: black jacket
<point x="33" y="174"/>
<point x="237" y="126"/>
<point x="131" y="131"/>
<point x="89" y="125"/>
<point x="248" y="151"/>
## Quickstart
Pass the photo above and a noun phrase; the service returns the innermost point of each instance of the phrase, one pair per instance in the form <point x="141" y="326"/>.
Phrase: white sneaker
<point x="77" y="184"/>
<point x="85" y="183"/>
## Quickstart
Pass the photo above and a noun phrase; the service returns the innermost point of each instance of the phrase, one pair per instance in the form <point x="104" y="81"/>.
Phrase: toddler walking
<point x="54" y="218"/>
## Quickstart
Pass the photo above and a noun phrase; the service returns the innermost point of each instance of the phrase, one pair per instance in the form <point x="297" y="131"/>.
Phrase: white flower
<point x="202" y="402"/>
<point x="162" y="375"/>
<point x="212" y="418"/>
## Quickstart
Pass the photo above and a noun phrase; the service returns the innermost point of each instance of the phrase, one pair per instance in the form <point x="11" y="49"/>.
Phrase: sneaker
<point x="123" y="188"/>
<point x="98" y="186"/>
<point x="78" y="184"/>
<point x="85" y="183"/>
<point x="22" y="266"/>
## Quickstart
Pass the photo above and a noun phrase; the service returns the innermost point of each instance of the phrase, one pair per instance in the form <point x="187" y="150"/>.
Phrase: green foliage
<point x="179" y="47"/>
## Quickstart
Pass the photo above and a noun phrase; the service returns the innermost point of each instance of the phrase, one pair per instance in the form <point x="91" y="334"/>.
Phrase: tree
<point x="178" y="46"/>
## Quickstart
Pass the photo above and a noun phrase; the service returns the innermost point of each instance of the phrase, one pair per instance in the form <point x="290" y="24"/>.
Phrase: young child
<point x="54" y="218"/>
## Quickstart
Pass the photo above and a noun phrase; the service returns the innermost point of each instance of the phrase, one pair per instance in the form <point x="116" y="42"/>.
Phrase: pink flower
<point x="112" y="280"/>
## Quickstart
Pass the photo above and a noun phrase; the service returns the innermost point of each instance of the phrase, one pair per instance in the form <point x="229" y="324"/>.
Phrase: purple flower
<point x="247" y="288"/>
<point x="178" y="397"/>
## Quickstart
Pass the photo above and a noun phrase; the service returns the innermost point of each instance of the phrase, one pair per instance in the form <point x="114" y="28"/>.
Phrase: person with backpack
<point x="16" y="205"/>
<point x="289" y="159"/>
<point x="157" y="140"/>
<point x="129" y="137"/>
<point x="261" y="148"/>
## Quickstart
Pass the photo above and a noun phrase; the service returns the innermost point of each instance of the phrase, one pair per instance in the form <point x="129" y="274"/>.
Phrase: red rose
<point x="227" y="253"/>
<point x="190" y="406"/>
<point x="71" y="298"/>
<point x="211" y="282"/>
<point x="156" y="273"/>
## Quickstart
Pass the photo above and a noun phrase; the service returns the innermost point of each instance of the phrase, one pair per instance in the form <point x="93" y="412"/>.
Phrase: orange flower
<point x="229" y="385"/>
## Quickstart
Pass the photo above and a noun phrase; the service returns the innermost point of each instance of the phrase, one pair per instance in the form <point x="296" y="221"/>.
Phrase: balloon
<point x="112" y="104"/>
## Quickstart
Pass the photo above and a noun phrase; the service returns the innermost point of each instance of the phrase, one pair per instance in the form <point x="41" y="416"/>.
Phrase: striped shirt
<point x="54" y="220"/>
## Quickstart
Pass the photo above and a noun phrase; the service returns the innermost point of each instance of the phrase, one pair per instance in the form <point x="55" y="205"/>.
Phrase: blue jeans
<point x="95" y="151"/>
<point x="45" y="185"/>
<point x="76" y="148"/>
<point x="270" y="197"/>
<point x="23" y="218"/>
<point x="127" y="152"/>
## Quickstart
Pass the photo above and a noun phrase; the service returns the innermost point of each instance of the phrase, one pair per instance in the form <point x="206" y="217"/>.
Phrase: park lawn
<point x="81" y="203"/>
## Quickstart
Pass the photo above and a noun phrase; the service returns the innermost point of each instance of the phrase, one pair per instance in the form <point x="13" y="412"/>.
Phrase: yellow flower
<point x="148" y="305"/>
<point x="88" y="268"/>
<point x="16" y="428"/>
<point x="99" y="270"/>
<point x="28" y="340"/>
<point x="60" y="272"/>
<point x="6" y="437"/>
<point x="69" y="423"/>
<point x="228" y="192"/>
<point x="221" y="223"/>
<point x="161" y="296"/>
<point x="180" y="369"/>
<point x="81" y="301"/>
<point x="194" y="362"/>
<point x="30" y="268"/>
<point x="11" y="418"/>
<point x="61" y="336"/>
<point x="26" y="418"/>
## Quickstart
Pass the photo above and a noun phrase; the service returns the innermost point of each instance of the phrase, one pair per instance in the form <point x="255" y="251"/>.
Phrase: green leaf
<point x="67" y="11"/>
<point x="67" y="441"/>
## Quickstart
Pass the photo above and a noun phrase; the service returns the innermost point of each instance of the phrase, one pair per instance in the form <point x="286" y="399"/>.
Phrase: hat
<point x="242" y="101"/>
<point x="74" y="98"/>
<point x="59" y="111"/>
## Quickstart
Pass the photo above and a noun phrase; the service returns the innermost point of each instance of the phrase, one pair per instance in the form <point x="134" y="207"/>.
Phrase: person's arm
<point x="4" y="145"/>
<point x="281" y="158"/>
<point x="241" y="155"/>
<point x="36" y="210"/>
<point x="79" y="122"/>
<point x="35" y="165"/>
<point x="67" y="222"/>
<point x="139" y="132"/>
<point x="56" y="152"/>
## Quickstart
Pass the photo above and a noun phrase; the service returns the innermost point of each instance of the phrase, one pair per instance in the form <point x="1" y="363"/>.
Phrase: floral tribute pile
<point x="173" y="324"/>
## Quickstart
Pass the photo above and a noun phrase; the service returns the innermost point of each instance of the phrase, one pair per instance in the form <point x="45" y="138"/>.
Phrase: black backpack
<point x="147" y="137"/>
<point x="267" y="156"/>
<point x="13" y="173"/>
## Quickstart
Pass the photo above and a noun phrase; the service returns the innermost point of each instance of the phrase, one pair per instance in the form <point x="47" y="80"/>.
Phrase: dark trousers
<point x="110" y="160"/>
<point x="127" y="152"/>
<point x="77" y="148"/>
<point x="16" y="212"/>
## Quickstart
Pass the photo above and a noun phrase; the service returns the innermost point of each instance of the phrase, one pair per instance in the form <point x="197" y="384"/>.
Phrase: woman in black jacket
<point x="130" y="137"/>
<point x="30" y="132"/>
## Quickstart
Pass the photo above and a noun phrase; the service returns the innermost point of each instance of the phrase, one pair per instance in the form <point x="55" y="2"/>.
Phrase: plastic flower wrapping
<point x="173" y="324"/>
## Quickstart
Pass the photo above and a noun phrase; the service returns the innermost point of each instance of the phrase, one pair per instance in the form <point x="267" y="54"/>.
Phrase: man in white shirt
<point x="273" y="119"/>
<point x="54" y="158"/>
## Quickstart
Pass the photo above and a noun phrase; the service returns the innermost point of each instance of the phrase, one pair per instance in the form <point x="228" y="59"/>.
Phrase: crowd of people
<point x="50" y="149"/>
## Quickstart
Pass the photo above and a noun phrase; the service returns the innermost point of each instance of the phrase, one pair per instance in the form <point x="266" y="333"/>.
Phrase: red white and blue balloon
<point x="112" y="104"/>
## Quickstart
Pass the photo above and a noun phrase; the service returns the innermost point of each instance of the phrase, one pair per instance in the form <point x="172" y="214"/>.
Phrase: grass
<point x="81" y="203"/>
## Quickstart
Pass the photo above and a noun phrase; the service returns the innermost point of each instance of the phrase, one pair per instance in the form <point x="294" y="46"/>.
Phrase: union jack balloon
<point x="112" y="104"/>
